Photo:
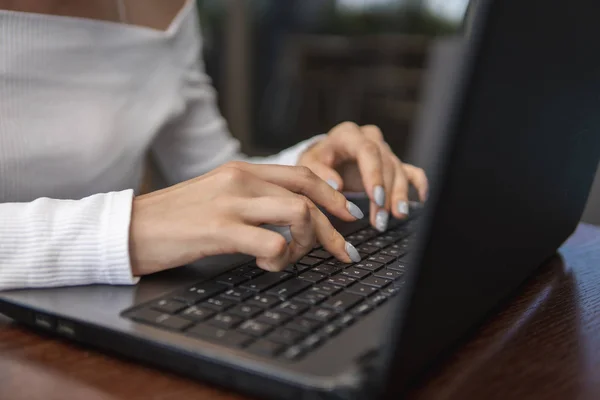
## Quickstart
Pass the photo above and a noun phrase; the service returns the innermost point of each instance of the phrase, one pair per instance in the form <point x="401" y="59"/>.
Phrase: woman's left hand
<point x="356" y="158"/>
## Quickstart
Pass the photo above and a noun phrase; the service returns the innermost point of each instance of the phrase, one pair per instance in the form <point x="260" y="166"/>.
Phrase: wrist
<point x="141" y="238"/>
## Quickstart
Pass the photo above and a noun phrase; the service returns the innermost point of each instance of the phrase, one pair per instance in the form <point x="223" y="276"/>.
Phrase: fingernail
<point x="403" y="207"/>
<point x="415" y="205"/>
<point x="354" y="210"/>
<point x="352" y="252"/>
<point x="379" y="195"/>
<point x="333" y="184"/>
<point x="381" y="220"/>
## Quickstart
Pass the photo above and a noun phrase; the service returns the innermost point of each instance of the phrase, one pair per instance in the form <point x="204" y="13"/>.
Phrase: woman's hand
<point x="356" y="158"/>
<point x="220" y="213"/>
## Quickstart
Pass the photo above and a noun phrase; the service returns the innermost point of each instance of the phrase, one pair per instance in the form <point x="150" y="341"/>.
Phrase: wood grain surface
<point x="545" y="344"/>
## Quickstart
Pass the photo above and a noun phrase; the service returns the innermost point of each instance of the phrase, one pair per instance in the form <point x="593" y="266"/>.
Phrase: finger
<point x="302" y="180"/>
<point x="379" y="218"/>
<point x="306" y="223"/>
<point x="292" y="211"/>
<point x="352" y="144"/>
<point x="267" y="246"/>
<point x="326" y="173"/>
<point x="418" y="179"/>
<point x="331" y="239"/>
<point x="399" y="196"/>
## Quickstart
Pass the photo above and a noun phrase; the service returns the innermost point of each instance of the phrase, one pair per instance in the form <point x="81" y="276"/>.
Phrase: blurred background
<point x="286" y="70"/>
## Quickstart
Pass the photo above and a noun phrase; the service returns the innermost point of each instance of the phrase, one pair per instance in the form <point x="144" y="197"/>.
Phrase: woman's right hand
<point x="221" y="213"/>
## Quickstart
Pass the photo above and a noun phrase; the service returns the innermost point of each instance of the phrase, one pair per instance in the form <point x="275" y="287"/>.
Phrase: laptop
<point x="518" y="122"/>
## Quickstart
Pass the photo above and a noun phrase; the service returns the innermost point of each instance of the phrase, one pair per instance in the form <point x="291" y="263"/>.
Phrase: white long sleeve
<point x="50" y="242"/>
<point x="81" y="102"/>
<point x="199" y="140"/>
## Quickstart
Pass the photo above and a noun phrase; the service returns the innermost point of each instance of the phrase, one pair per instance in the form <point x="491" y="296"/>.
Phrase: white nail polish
<point x="352" y="252"/>
<point x="333" y="184"/>
<point x="354" y="210"/>
<point x="379" y="195"/>
<point x="403" y="207"/>
<point x="381" y="220"/>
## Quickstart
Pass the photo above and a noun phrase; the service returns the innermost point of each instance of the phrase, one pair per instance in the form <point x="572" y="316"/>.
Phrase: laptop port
<point x="65" y="328"/>
<point x="43" y="321"/>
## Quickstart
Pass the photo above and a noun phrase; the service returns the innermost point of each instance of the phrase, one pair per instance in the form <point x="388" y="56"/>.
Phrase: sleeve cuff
<point x="116" y="223"/>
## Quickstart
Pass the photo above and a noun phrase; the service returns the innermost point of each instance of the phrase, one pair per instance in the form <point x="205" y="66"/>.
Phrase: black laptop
<point x="518" y="128"/>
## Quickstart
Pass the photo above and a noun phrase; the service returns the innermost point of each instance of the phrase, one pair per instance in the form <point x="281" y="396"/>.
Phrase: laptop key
<point x="267" y="281"/>
<point x="341" y="280"/>
<point x="344" y="320"/>
<point x="322" y="254"/>
<point x="326" y="288"/>
<point x="289" y="288"/>
<point x="389" y="274"/>
<point x="369" y="233"/>
<point x="390" y="291"/>
<point x="320" y="314"/>
<point x="225" y="321"/>
<point x="222" y="336"/>
<point x="365" y="248"/>
<point x="340" y="302"/>
<point x="292" y="307"/>
<point x="310" y="261"/>
<point x="311" y="297"/>
<point x="293" y="353"/>
<point x="266" y="348"/>
<point x="163" y="320"/>
<point x="397" y="246"/>
<point x="312" y="276"/>
<point x="326" y="269"/>
<point x="388" y="238"/>
<point x="355" y="272"/>
<point x="254" y="273"/>
<point x="197" y="313"/>
<point x="397" y="266"/>
<point x="285" y="336"/>
<point x="273" y="317"/>
<point x="375" y="281"/>
<point x="369" y="265"/>
<point x="232" y="279"/>
<point x="362" y="309"/>
<point x="304" y="325"/>
<point x="238" y="294"/>
<point x="389" y="251"/>
<point x="255" y="328"/>
<point x="311" y="341"/>
<point x="362" y="290"/>
<point x="379" y="244"/>
<point x="377" y="299"/>
<point x="356" y="239"/>
<point x="263" y="300"/>
<point x="293" y="268"/>
<point x="330" y="330"/>
<point x="218" y="303"/>
<point x="169" y="306"/>
<point x="381" y="258"/>
<point x="245" y="310"/>
<point x="200" y="292"/>
<point x="243" y="269"/>
<point x="338" y="264"/>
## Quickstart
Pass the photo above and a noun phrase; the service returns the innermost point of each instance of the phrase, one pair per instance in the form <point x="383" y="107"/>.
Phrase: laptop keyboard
<point x="289" y="313"/>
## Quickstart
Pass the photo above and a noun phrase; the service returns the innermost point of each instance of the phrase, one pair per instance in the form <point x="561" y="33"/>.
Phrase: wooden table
<point x="544" y="345"/>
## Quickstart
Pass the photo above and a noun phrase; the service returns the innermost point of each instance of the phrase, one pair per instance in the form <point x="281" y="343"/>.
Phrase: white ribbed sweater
<point x="81" y="103"/>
